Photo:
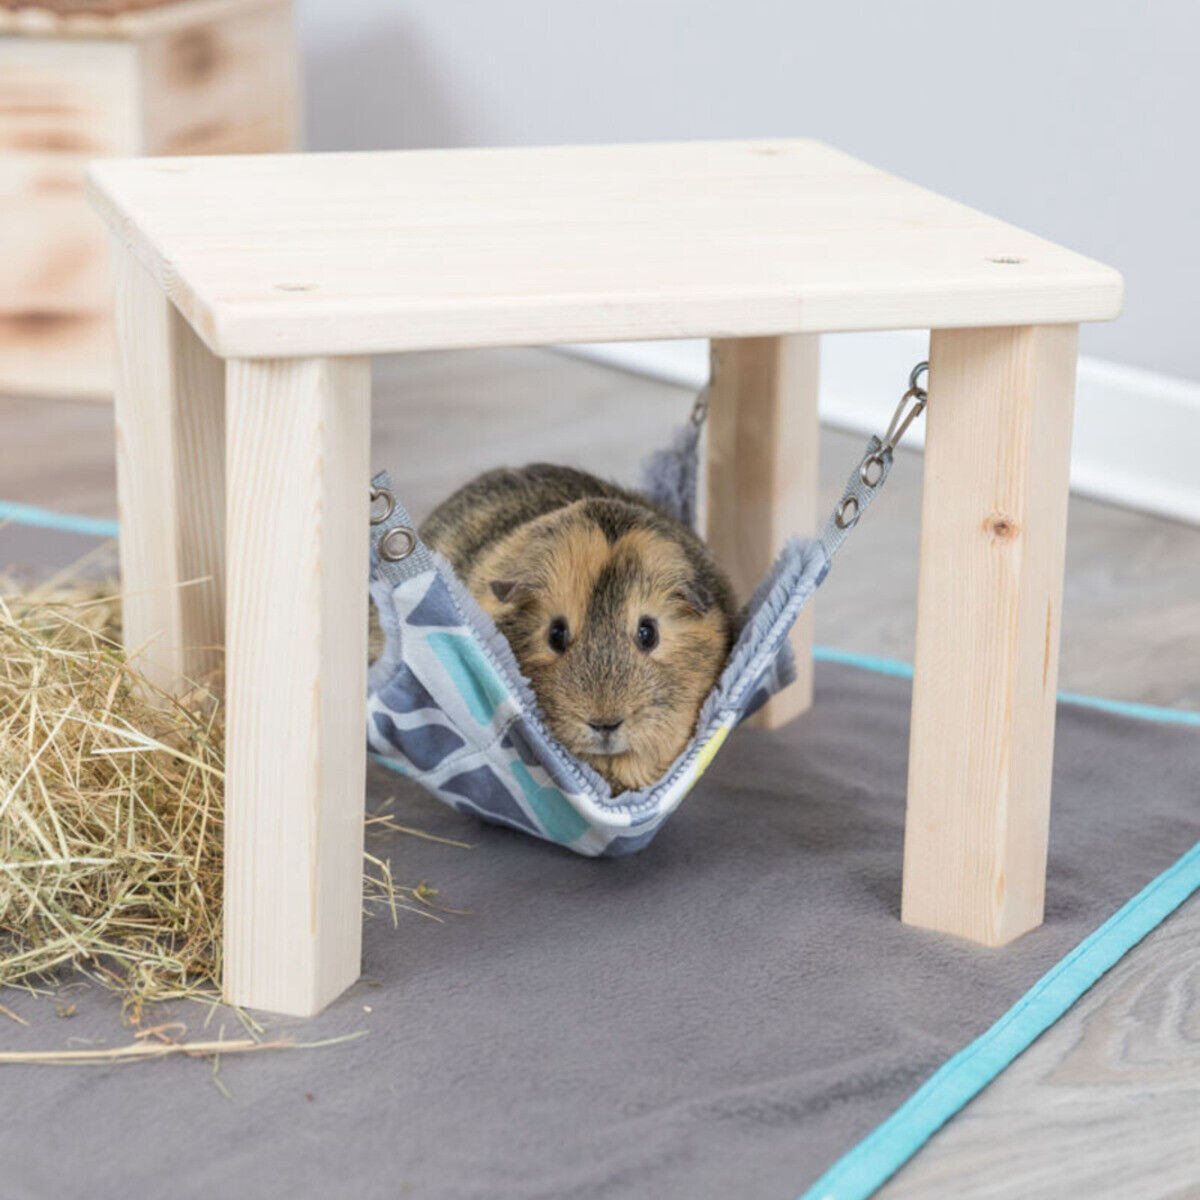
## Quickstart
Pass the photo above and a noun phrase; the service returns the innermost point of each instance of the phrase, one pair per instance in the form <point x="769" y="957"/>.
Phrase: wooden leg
<point x="762" y="475"/>
<point x="298" y="479"/>
<point x="169" y="407"/>
<point x="989" y="609"/>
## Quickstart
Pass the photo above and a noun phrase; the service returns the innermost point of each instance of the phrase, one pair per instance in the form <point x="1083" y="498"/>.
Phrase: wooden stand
<point x="295" y="269"/>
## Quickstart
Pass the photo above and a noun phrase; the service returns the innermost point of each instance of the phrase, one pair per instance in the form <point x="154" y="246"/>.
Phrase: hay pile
<point x="111" y="809"/>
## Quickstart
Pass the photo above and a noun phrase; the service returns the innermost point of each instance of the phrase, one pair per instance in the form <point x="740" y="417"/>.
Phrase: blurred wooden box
<point x="82" y="79"/>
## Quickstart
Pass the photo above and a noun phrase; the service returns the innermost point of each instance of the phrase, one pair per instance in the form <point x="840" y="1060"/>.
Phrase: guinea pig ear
<point x="509" y="591"/>
<point x="695" y="596"/>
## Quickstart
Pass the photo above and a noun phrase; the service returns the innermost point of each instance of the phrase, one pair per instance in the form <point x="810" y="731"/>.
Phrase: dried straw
<point x="111" y="809"/>
<point x="144" y="1049"/>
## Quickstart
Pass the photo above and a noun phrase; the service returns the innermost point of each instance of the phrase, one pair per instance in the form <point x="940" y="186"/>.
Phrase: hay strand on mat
<point x="144" y="1049"/>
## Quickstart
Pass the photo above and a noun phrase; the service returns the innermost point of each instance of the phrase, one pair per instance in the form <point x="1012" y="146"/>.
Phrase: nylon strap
<point x="418" y="560"/>
<point x="864" y="484"/>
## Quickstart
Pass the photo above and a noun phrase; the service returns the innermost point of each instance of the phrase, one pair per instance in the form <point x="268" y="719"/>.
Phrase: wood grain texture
<point x="298" y="476"/>
<point x="1104" y="1104"/>
<point x="119" y="20"/>
<point x="60" y="104"/>
<point x="763" y="437"/>
<point x="67" y="7"/>
<point x="989" y="616"/>
<point x="50" y="354"/>
<point x="227" y="85"/>
<point x="377" y="252"/>
<point x="210" y="80"/>
<point x="53" y="250"/>
<point x="68" y="97"/>
<point x="170" y="484"/>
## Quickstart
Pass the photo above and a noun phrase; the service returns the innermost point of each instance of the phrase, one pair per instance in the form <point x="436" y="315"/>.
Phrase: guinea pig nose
<point x="607" y="726"/>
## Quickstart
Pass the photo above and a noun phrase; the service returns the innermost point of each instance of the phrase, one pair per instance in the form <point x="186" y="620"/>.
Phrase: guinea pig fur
<point x="615" y="611"/>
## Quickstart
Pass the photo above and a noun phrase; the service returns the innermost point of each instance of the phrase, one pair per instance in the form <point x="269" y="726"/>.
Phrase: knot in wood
<point x="1001" y="527"/>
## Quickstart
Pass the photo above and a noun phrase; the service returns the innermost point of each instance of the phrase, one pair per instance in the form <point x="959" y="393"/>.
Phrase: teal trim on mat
<point x="865" y="662"/>
<point x="875" y="1159"/>
<point x="43" y="518"/>
<point x="1127" y="708"/>
<point x="1119" y="708"/>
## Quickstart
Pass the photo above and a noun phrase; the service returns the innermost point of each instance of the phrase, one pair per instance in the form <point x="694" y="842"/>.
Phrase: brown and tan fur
<point x="547" y="546"/>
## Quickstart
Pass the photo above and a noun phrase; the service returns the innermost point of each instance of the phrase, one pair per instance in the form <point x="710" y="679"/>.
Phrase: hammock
<point x="447" y="704"/>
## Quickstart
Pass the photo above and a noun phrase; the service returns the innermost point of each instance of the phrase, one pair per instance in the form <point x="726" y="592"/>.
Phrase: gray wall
<point x="1074" y="119"/>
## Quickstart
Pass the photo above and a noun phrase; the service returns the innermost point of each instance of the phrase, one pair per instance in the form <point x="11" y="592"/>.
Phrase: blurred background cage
<point x="84" y="79"/>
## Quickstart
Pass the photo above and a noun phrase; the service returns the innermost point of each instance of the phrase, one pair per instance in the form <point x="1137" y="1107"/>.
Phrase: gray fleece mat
<point x="723" y="1014"/>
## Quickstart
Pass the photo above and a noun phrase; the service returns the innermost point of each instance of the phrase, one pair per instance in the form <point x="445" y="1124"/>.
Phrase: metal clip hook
<point x="922" y="368"/>
<point x="904" y="416"/>
<point x="704" y="396"/>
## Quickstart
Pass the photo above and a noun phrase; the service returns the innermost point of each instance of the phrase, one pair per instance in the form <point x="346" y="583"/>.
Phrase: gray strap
<point x="397" y="553"/>
<point x="865" y="482"/>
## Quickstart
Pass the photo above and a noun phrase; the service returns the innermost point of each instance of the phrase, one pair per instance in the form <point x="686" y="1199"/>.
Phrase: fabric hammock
<point x="448" y="706"/>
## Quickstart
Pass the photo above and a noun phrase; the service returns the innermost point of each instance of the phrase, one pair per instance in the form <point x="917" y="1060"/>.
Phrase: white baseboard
<point x="1137" y="433"/>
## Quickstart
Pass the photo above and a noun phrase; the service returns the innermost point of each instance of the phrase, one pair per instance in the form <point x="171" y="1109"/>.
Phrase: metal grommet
<point x="871" y="471"/>
<point x="847" y="513"/>
<point x="397" y="544"/>
<point x="389" y="501"/>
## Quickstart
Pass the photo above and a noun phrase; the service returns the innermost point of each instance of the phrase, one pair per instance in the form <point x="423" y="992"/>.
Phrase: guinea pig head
<point x="621" y="622"/>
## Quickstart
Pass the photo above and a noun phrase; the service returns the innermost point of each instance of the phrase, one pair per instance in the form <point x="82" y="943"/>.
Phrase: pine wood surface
<point x="365" y="253"/>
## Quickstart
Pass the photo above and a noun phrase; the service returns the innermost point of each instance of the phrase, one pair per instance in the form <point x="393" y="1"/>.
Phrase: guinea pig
<point x="616" y="612"/>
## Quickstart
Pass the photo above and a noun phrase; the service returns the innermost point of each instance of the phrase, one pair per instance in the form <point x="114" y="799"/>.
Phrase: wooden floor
<point x="1107" y="1103"/>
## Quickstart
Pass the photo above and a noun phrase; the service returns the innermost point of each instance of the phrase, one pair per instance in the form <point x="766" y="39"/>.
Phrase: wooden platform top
<point x="285" y="255"/>
<point x="113" y="19"/>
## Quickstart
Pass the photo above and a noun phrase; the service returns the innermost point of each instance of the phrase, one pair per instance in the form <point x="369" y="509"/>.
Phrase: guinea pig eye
<point x="647" y="633"/>
<point x="559" y="635"/>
